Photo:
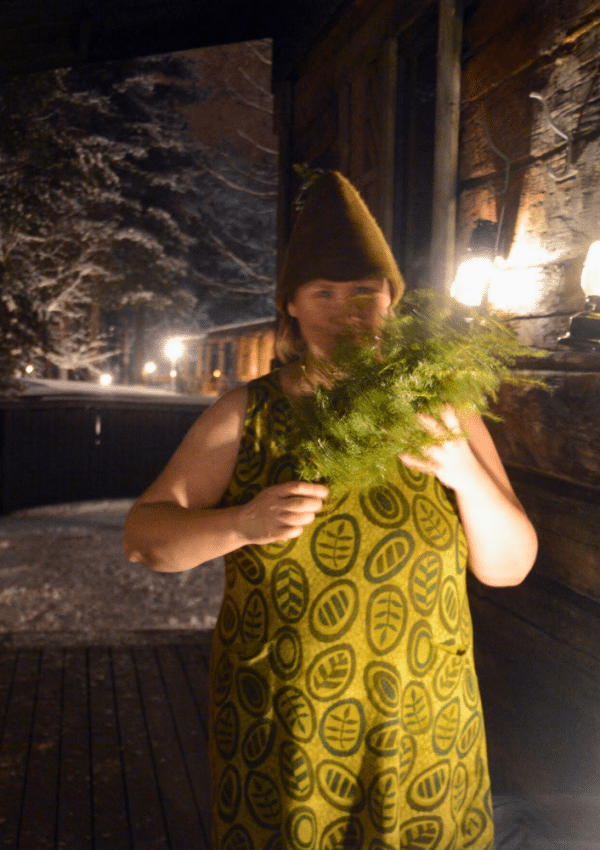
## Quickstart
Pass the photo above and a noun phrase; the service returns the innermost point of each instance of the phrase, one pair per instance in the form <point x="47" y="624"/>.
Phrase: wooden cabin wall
<point x="336" y="108"/>
<point x="550" y="214"/>
<point x="345" y="103"/>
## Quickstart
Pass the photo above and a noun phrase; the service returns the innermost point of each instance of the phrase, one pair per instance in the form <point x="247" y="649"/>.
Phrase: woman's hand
<point x="502" y="541"/>
<point x="281" y="512"/>
<point x="450" y="460"/>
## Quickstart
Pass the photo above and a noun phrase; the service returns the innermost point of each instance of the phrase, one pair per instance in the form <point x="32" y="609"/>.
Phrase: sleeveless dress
<point x="345" y="710"/>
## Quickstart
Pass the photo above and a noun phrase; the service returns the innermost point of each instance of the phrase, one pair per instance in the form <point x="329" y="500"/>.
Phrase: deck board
<point x="38" y="819"/>
<point x="74" y="805"/>
<point x="16" y="742"/>
<point x="104" y="746"/>
<point x="184" y="821"/>
<point x="147" y="819"/>
<point x="109" y="799"/>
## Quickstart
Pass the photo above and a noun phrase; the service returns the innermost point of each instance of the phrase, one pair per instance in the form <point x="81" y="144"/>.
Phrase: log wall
<point x="550" y="214"/>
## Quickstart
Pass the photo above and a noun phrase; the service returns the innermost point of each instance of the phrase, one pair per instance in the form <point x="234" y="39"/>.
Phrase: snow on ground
<point x="62" y="569"/>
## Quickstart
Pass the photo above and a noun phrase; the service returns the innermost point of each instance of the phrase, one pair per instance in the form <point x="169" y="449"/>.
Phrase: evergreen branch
<point x="365" y="408"/>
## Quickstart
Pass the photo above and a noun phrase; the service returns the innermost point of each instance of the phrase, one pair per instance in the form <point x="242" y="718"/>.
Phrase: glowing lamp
<point x="474" y="276"/>
<point x="216" y="373"/>
<point x="29" y="369"/>
<point x="149" y="368"/>
<point x="584" y="327"/>
<point x="105" y="379"/>
<point x="472" y="281"/>
<point x="174" y="349"/>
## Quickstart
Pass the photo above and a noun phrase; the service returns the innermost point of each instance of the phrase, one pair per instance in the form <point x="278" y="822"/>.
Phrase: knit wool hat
<point x="335" y="237"/>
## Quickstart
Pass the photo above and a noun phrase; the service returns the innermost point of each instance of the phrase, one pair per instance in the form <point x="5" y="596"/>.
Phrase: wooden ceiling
<point x="37" y="35"/>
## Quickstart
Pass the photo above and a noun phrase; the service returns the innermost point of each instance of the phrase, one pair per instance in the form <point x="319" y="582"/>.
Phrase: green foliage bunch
<point x="366" y="403"/>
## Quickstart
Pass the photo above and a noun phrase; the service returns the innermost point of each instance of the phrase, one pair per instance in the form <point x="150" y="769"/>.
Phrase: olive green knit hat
<point x="335" y="237"/>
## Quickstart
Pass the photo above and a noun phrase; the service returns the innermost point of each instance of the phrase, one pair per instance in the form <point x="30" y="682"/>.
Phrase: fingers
<point x="448" y="418"/>
<point x="301" y="488"/>
<point x="281" y="511"/>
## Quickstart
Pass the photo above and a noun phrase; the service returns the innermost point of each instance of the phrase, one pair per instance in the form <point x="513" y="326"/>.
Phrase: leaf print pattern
<point x="297" y="774"/>
<point x="345" y="710"/>
<point x="330" y="672"/>
<point x="425" y="582"/>
<point x="290" y="590"/>
<point x="253" y="627"/>
<point x="342" y="727"/>
<point x="386" y="619"/>
<point x="262" y="796"/>
<point x="383" y="800"/>
<point x="295" y="712"/>
<point x="335" y="544"/>
<point x="431" y="523"/>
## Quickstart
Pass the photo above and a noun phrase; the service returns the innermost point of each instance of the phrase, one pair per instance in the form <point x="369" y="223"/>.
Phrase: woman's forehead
<point x="374" y="281"/>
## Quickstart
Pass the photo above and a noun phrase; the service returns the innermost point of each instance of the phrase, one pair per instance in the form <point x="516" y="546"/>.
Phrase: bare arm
<point x="175" y="525"/>
<point x="502" y="541"/>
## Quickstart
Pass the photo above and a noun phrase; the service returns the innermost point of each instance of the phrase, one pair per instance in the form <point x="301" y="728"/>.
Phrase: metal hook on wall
<point x="569" y="169"/>
<point x="506" y="177"/>
<point x="498" y="153"/>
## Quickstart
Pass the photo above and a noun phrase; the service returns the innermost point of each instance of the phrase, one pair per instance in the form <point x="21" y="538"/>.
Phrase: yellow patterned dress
<point x="345" y="710"/>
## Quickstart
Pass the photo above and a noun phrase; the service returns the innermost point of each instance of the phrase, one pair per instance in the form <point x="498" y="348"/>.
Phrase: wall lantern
<point x="472" y="282"/>
<point x="584" y="327"/>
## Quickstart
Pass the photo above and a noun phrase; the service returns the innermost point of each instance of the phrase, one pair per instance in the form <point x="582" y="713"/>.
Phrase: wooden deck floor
<point x="104" y="747"/>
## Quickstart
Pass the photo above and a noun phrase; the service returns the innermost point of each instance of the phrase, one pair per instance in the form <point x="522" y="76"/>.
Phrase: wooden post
<point x="447" y="123"/>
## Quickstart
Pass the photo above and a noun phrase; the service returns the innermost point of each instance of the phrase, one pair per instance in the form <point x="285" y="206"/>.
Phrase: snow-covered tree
<point x="110" y="204"/>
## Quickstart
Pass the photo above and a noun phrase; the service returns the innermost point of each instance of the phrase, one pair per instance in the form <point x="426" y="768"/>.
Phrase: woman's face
<point x="325" y="309"/>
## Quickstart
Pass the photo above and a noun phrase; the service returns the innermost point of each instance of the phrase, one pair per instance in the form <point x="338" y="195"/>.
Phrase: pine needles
<point x="365" y="408"/>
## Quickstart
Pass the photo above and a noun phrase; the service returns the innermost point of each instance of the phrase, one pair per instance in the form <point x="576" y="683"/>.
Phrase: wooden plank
<point x="38" y="821"/>
<point x="189" y="719"/>
<point x="147" y="819"/>
<point x="574" y="622"/>
<point x="14" y="750"/>
<point x="74" y="821"/>
<point x="181" y="809"/>
<point x="196" y="662"/>
<point x="8" y="664"/>
<point x="109" y="800"/>
<point x="541" y="707"/>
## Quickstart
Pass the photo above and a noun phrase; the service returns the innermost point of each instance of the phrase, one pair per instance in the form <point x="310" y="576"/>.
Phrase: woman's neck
<point x="301" y="376"/>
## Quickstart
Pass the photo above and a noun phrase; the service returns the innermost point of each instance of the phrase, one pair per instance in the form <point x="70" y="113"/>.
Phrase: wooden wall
<point x="357" y="101"/>
<point x="550" y="215"/>
<point x="539" y="643"/>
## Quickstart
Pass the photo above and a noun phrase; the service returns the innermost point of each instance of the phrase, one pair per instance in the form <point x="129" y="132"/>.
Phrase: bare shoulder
<point x="201" y="467"/>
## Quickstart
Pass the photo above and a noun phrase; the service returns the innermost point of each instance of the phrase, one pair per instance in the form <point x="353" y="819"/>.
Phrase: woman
<point x="345" y="711"/>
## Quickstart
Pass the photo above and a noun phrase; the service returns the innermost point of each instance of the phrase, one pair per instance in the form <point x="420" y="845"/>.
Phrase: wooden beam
<point x="447" y="119"/>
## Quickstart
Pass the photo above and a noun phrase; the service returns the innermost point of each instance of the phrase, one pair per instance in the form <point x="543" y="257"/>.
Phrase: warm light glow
<point x="472" y="281"/>
<point x="216" y="373"/>
<point x="174" y="349"/>
<point x="590" y="276"/>
<point x="149" y="368"/>
<point x="518" y="291"/>
<point x="29" y="368"/>
<point x="106" y="379"/>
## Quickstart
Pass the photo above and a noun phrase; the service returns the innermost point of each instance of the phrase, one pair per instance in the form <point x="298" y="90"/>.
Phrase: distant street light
<point x="29" y="369"/>
<point x="106" y="379"/>
<point x="174" y="351"/>
<point x="149" y="369"/>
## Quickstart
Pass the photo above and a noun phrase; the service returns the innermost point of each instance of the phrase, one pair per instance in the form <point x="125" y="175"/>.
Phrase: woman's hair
<point x="289" y="344"/>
